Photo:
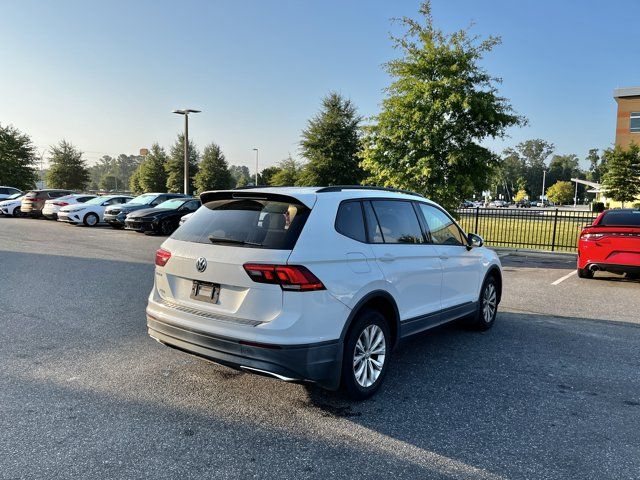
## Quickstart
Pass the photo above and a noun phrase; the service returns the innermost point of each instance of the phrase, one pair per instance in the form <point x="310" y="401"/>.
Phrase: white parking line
<point x="562" y="279"/>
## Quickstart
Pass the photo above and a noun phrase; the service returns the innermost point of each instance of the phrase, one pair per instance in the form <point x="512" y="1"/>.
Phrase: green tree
<point x="134" y="181"/>
<point x="440" y="108"/>
<point x="240" y="176"/>
<point x="17" y="159"/>
<point x="622" y="180"/>
<point x="560" y="192"/>
<point x="152" y="172"/>
<point x="532" y="155"/>
<point x="265" y="176"/>
<point x="288" y="173"/>
<point x="214" y="172"/>
<point x="67" y="167"/>
<point x="331" y="143"/>
<point x="110" y="182"/>
<point x="563" y="167"/>
<point x="597" y="165"/>
<point x="175" y="166"/>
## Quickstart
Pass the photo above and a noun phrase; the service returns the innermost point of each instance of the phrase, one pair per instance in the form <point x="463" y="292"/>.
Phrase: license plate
<point x="205" y="291"/>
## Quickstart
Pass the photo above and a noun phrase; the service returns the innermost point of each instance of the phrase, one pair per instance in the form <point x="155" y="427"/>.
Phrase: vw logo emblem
<point x="201" y="264"/>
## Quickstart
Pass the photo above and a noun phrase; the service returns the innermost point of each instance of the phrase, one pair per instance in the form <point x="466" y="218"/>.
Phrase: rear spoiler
<point x="307" y="199"/>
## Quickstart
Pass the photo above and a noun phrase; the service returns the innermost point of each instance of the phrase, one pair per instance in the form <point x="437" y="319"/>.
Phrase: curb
<point x="522" y="252"/>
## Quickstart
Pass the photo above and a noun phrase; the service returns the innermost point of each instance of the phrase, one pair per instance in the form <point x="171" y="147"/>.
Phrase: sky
<point x="106" y="75"/>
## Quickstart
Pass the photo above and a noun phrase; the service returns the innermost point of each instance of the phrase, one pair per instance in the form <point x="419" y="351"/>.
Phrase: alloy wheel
<point x="489" y="302"/>
<point x="369" y="355"/>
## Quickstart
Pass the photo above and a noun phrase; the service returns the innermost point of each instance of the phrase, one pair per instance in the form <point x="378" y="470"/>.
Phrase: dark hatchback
<point x="116" y="215"/>
<point x="164" y="218"/>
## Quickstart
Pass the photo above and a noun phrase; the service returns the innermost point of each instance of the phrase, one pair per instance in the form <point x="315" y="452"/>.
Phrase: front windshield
<point x="172" y="204"/>
<point x="96" y="201"/>
<point x="144" y="199"/>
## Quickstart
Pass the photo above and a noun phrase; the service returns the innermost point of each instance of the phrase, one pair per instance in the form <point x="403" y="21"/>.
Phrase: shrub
<point x="597" y="207"/>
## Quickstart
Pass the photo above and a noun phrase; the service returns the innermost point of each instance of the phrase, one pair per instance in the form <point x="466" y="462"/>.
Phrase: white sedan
<point x="91" y="213"/>
<point x="11" y="206"/>
<point x="51" y="207"/>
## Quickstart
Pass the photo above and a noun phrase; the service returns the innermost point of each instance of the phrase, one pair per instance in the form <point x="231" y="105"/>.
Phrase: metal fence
<point x="538" y="229"/>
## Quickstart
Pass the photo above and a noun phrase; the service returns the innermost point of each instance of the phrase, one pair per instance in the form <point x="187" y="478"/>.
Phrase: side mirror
<point x="474" y="240"/>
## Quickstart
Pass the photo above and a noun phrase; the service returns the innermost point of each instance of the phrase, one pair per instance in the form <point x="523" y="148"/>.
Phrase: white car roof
<point x="309" y="195"/>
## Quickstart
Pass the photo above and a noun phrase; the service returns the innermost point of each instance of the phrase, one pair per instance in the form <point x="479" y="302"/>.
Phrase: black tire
<point x="375" y="321"/>
<point x="116" y="226"/>
<point x="91" y="220"/>
<point x="585" y="273"/>
<point x="487" y="309"/>
<point x="632" y="275"/>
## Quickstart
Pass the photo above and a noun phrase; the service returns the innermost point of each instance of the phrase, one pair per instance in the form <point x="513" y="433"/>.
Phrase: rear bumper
<point x="319" y="363"/>
<point x="613" y="267"/>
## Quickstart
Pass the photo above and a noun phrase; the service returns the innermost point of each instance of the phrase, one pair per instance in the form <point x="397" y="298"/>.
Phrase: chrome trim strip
<point x="213" y="316"/>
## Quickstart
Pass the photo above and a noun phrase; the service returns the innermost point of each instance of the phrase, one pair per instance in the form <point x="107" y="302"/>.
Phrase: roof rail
<point x="339" y="188"/>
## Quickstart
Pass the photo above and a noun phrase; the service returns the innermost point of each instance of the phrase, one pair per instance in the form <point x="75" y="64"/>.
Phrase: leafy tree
<point x="175" y="166"/>
<point x="597" y="165"/>
<point x="331" y="143"/>
<point x="521" y="195"/>
<point x="152" y="173"/>
<point x="510" y="171"/>
<point x="134" y="181"/>
<point x="265" y="176"/>
<point x="288" y="173"/>
<point x="440" y="108"/>
<point x="68" y="169"/>
<point x="110" y="182"/>
<point x="560" y="192"/>
<point x="622" y="180"/>
<point x="214" y="172"/>
<point x="532" y="155"/>
<point x="240" y="176"/>
<point x="17" y="159"/>
<point x="563" y="167"/>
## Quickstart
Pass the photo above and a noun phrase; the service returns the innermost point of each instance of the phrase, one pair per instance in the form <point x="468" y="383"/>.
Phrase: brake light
<point x="289" y="277"/>
<point x="61" y="204"/>
<point x="162" y="257"/>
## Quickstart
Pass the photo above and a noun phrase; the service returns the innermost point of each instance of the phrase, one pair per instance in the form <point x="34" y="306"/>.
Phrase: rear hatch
<point x="206" y="270"/>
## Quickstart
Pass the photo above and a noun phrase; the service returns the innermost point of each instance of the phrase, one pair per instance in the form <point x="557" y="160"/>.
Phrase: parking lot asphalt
<point x="552" y="391"/>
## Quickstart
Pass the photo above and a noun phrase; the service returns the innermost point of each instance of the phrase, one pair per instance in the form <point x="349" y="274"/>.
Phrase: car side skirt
<point x="432" y="320"/>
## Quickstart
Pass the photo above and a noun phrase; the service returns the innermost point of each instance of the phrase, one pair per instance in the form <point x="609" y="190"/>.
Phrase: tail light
<point x="289" y="277"/>
<point x="61" y="204"/>
<point x="162" y="257"/>
<point x="591" y="236"/>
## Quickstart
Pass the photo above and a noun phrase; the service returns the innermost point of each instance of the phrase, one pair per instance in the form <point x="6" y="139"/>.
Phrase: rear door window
<point x="349" y="221"/>
<point x="398" y="221"/>
<point x="247" y="222"/>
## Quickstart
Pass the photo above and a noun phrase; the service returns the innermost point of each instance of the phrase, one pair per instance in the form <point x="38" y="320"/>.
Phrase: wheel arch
<point x="495" y="272"/>
<point x="381" y="301"/>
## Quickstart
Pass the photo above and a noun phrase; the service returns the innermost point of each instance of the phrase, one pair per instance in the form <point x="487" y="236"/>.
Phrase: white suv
<point x="317" y="284"/>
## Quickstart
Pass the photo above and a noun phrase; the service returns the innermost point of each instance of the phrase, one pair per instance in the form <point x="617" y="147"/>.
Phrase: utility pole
<point x="256" y="150"/>
<point x="544" y="178"/>
<point x="186" y="112"/>
<point x="575" y="197"/>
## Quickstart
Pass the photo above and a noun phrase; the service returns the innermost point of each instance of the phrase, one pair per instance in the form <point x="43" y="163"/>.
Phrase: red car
<point x="611" y="244"/>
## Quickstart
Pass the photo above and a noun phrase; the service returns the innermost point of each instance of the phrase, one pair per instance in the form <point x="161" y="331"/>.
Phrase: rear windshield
<point x="253" y="223"/>
<point x="144" y="199"/>
<point x="630" y="218"/>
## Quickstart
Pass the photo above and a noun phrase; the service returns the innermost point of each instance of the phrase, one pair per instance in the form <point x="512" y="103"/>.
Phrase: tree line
<point x="429" y="135"/>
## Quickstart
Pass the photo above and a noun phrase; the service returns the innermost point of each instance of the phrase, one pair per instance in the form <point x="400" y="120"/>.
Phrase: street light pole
<point x="186" y="113"/>
<point x="256" y="150"/>
<point x="544" y="178"/>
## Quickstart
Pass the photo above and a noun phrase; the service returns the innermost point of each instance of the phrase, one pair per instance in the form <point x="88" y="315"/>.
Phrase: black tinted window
<point x="398" y="222"/>
<point x="442" y="228"/>
<point x="349" y="221"/>
<point x="4" y="191"/>
<point x="621" y="218"/>
<point x="373" y="229"/>
<point x="251" y="223"/>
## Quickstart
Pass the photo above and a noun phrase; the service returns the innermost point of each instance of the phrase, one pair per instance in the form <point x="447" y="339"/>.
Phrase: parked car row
<point x="148" y="213"/>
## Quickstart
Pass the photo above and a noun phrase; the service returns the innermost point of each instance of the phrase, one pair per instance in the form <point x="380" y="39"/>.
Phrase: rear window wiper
<point x="234" y="241"/>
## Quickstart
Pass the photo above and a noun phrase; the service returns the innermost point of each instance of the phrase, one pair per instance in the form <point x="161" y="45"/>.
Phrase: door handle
<point x="444" y="257"/>
<point x="387" y="257"/>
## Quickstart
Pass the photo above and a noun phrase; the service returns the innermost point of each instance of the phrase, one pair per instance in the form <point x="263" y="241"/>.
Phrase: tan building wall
<point x="626" y="105"/>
